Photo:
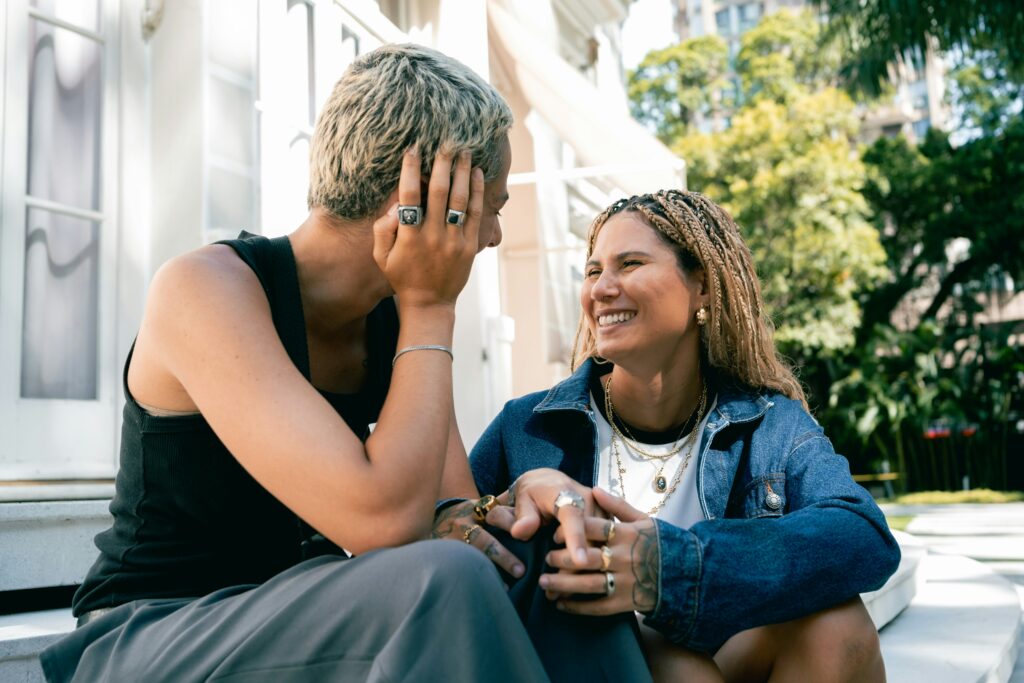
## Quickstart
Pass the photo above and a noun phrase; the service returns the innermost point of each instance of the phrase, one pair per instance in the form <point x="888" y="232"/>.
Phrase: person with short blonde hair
<point x="277" y="413"/>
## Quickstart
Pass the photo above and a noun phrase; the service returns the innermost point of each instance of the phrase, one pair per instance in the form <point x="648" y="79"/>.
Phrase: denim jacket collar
<point x="573" y="393"/>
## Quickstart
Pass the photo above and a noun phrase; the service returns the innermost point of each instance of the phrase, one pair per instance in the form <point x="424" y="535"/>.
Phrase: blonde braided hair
<point x="737" y="342"/>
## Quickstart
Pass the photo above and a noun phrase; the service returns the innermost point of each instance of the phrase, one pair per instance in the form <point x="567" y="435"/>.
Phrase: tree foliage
<point x="880" y="33"/>
<point x="672" y="86"/>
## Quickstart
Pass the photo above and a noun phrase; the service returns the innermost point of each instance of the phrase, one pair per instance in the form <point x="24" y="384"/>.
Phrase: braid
<point x="738" y="339"/>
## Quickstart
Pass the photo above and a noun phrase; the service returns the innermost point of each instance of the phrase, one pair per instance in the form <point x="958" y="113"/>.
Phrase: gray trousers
<point x="430" y="611"/>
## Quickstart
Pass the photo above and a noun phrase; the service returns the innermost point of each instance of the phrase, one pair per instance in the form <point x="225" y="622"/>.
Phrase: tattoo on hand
<point x="491" y="550"/>
<point x="453" y="516"/>
<point x="646" y="559"/>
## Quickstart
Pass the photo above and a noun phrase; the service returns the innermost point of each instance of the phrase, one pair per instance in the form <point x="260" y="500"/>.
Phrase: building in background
<point x="917" y="104"/>
<point x="135" y="130"/>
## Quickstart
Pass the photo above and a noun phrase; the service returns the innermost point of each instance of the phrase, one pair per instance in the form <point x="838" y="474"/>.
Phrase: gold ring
<point x="483" y="506"/>
<point x="470" y="533"/>
<point x="611" y="530"/>
<point x="606" y="558"/>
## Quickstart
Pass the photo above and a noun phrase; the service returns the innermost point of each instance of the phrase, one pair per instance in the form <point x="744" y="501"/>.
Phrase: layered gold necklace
<point x="660" y="482"/>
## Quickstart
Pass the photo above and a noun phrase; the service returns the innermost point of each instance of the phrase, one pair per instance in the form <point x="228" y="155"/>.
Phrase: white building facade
<point x="135" y="130"/>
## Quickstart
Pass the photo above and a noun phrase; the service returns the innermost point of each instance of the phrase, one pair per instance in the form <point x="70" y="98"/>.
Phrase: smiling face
<point x="495" y="196"/>
<point x="638" y="302"/>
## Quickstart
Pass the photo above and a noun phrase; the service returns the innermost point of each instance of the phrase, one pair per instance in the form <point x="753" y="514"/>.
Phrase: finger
<point x="502" y="517"/>
<point x="595" y="528"/>
<point x="409" y="180"/>
<point x="437" y="191"/>
<point x="590" y="583"/>
<point x="617" y="506"/>
<point x="571" y="519"/>
<point x="458" y="195"/>
<point x="527" y="518"/>
<point x="385" y="232"/>
<point x="563" y="560"/>
<point x="475" y="210"/>
<point x="498" y="554"/>
<point x="591" y="608"/>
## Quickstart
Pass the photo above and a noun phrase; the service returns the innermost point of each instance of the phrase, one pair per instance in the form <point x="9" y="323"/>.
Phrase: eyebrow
<point x="620" y="257"/>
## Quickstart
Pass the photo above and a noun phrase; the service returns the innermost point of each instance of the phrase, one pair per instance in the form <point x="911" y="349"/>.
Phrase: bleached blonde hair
<point x="391" y="99"/>
<point x="737" y="340"/>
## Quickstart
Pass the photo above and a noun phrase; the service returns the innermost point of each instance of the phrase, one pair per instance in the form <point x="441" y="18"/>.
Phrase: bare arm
<point x="272" y="419"/>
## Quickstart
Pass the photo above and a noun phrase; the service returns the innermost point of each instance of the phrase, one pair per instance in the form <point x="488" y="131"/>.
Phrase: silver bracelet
<point x="423" y="347"/>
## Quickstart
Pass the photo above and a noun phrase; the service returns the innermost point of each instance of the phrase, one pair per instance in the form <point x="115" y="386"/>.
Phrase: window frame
<point x="56" y="439"/>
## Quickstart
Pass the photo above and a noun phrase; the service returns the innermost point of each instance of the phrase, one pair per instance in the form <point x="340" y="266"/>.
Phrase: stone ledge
<point x="898" y="592"/>
<point x="962" y="626"/>
<point x="49" y="543"/>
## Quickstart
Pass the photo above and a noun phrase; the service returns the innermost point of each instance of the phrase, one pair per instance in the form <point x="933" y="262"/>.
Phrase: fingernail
<point x="464" y="155"/>
<point x="581" y="556"/>
<point x="412" y="151"/>
<point x="518" y="570"/>
<point x="478" y="173"/>
<point x="560" y="607"/>
<point x="543" y="581"/>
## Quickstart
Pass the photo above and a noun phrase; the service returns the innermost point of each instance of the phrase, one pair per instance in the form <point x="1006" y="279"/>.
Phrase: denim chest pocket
<point x="765" y="496"/>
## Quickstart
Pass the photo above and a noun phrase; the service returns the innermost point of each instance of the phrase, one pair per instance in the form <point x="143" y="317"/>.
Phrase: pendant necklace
<point x="660" y="482"/>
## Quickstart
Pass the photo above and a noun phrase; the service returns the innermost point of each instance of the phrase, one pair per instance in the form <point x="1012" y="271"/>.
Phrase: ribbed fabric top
<point x="188" y="519"/>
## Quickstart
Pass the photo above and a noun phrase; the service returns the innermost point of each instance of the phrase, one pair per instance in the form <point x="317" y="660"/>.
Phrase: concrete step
<point x="963" y="626"/>
<point x="23" y="637"/>
<point x="898" y="592"/>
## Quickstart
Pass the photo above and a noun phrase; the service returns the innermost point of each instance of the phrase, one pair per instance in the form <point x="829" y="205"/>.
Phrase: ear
<point x="699" y="278"/>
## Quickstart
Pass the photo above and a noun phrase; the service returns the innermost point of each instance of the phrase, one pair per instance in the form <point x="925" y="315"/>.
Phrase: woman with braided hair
<point x="690" y="482"/>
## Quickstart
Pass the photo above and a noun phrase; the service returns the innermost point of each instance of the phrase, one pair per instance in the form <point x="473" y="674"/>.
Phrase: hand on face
<point x="429" y="264"/>
<point x="633" y="559"/>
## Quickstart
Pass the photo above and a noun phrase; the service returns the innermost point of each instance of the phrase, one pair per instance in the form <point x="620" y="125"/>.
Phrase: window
<point x="57" y="276"/>
<point x="921" y="128"/>
<point x="231" y="192"/>
<point x="722" y="22"/>
<point x="750" y="14"/>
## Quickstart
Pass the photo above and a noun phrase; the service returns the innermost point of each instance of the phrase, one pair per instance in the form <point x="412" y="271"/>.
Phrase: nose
<point x="496" y="235"/>
<point x="605" y="287"/>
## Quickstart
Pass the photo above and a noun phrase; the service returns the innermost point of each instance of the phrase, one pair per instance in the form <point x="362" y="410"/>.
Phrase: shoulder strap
<point x="273" y="262"/>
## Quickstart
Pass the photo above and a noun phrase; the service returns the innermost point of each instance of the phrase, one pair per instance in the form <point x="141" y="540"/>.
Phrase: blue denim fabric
<point x="749" y="563"/>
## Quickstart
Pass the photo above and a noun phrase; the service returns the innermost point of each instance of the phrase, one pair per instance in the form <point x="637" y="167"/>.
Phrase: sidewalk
<point x="991" y="534"/>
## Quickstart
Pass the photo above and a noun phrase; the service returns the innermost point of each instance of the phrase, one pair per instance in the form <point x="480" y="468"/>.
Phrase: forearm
<point x="726" y="575"/>
<point x="408" y="450"/>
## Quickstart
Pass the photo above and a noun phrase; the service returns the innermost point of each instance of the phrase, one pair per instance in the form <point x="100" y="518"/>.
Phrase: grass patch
<point x="899" y="522"/>
<point x="952" y="497"/>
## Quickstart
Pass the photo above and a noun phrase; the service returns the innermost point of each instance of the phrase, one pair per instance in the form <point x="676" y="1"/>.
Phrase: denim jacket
<point x="787" y="531"/>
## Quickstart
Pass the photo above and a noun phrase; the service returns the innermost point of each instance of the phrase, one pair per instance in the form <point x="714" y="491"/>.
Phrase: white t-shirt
<point x="683" y="506"/>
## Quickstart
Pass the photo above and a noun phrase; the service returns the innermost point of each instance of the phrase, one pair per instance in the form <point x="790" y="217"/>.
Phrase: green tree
<point x="672" y="86"/>
<point x="880" y="33"/>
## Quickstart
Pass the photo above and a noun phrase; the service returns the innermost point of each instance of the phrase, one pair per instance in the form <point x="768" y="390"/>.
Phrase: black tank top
<point x="188" y="519"/>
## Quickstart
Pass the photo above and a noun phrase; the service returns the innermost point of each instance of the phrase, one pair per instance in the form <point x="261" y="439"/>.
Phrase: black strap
<point x="274" y="264"/>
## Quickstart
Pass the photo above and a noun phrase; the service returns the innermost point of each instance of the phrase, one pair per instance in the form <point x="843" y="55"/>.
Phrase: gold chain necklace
<point x="660" y="483"/>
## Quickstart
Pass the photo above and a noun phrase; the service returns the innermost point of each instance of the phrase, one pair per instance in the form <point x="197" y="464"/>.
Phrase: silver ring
<point x="455" y="217"/>
<point x="568" y="497"/>
<point x="409" y="214"/>
<point x="609" y="584"/>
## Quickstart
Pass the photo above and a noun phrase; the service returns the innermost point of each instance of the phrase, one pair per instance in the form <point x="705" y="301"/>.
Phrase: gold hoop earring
<point x="702" y="316"/>
<point x="600" y="361"/>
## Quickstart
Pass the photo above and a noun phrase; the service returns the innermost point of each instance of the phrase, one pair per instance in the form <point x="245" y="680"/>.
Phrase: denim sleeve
<point x="723" y="576"/>
<point x="487" y="459"/>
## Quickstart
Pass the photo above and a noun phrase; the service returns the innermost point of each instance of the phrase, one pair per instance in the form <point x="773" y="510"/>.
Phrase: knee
<point x="446" y="563"/>
<point x="845" y="636"/>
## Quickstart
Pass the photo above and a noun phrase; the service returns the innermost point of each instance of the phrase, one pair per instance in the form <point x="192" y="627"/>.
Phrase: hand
<point x="532" y="498"/>
<point x="635" y="564"/>
<point x="429" y="264"/>
<point x="455" y="521"/>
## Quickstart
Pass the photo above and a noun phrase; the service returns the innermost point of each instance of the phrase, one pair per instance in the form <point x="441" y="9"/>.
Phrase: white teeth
<point x="614" y="318"/>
